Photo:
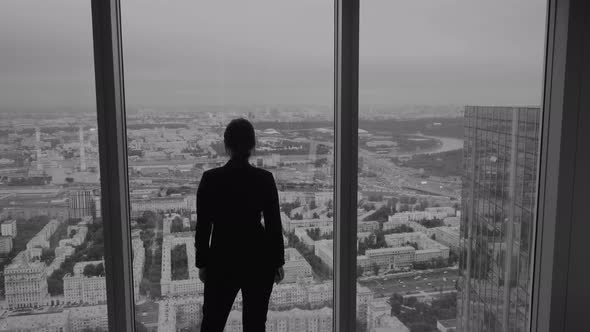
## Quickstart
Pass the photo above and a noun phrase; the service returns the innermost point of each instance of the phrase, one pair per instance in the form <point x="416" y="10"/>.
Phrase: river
<point x="445" y="144"/>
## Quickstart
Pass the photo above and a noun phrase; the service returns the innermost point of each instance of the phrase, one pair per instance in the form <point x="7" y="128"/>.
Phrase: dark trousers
<point x="221" y="289"/>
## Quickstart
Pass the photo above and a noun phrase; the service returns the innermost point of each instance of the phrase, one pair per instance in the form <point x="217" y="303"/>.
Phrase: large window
<point x="469" y="182"/>
<point x="203" y="64"/>
<point x="447" y="192"/>
<point x="51" y="244"/>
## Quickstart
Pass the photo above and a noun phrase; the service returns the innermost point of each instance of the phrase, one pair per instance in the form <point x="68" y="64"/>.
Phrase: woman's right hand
<point x="279" y="275"/>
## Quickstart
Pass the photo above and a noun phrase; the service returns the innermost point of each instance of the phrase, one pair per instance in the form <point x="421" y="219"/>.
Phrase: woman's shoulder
<point x="262" y="172"/>
<point x="211" y="173"/>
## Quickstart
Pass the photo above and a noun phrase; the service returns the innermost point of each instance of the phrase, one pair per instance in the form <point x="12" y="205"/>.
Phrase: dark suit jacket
<point x="230" y="203"/>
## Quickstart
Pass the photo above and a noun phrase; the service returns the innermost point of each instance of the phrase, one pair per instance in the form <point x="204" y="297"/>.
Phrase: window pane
<point x="447" y="191"/>
<point x="203" y="64"/>
<point x="51" y="243"/>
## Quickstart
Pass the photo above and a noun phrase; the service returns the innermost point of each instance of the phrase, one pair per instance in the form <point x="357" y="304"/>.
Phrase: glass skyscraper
<point x="498" y="217"/>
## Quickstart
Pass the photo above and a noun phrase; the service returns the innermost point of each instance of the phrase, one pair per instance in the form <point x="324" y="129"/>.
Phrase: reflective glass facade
<point x="498" y="217"/>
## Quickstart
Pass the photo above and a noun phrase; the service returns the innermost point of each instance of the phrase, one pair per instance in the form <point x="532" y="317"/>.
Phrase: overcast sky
<point x="197" y="52"/>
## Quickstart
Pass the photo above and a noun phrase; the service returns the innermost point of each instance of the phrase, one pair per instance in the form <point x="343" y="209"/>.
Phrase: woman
<point x="234" y="249"/>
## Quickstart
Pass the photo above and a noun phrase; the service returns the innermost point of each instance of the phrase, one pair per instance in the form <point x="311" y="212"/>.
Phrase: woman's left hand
<point x="279" y="275"/>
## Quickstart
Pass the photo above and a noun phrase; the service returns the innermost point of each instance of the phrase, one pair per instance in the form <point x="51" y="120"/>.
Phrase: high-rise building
<point x="38" y="148"/>
<point x="379" y="317"/>
<point x="5" y="244"/>
<point x="498" y="218"/>
<point x="82" y="149"/>
<point x="80" y="288"/>
<point x="98" y="207"/>
<point x="25" y="284"/>
<point x="138" y="263"/>
<point x="88" y="318"/>
<point x="296" y="267"/>
<point x="8" y="228"/>
<point x="81" y="203"/>
<point x="172" y="287"/>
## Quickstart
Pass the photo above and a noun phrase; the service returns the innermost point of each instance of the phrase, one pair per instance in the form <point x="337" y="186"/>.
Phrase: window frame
<point x="561" y="187"/>
<point x="346" y="88"/>
<point x="560" y="271"/>
<point x="112" y="141"/>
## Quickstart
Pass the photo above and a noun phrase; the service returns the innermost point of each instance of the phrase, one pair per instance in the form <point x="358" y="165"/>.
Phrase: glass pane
<point x="447" y="191"/>
<point x="51" y="243"/>
<point x="203" y="64"/>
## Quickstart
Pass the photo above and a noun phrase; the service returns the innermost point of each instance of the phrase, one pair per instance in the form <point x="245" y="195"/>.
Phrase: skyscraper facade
<point x="498" y="217"/>
<point x="81" y="203"/>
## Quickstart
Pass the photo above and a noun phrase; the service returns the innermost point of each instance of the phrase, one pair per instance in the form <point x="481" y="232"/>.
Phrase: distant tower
<point x="82" y="150"/>
<point x="313" y="146"/>
<point x="38" y="148"/>
<point x="81" y="203"/>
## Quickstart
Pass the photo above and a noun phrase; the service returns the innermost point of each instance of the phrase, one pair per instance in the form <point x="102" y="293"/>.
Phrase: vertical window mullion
<point x="560" y="157"/>
<point x="345" y="162"/>
<point x="112" y="142"/>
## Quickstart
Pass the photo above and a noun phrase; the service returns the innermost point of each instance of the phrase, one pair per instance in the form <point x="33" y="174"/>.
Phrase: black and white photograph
<point x="294" y="165"/>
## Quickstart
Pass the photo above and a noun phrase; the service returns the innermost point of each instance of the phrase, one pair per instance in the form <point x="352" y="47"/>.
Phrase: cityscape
<point x="448" y="145"/>
<point x="432" y="248"/>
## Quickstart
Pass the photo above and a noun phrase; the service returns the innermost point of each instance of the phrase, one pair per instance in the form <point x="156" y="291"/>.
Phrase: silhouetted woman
<point x="243" y="253"/>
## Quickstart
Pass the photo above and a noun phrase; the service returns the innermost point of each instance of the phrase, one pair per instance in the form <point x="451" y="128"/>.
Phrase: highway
<point x="416" y="281"/>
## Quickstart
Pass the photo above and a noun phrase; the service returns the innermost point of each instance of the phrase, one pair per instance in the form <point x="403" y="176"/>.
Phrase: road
<point x="428" y="281"/>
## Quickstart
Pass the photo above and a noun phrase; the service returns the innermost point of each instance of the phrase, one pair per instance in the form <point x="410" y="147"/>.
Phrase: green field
<point x="442" y="164"/>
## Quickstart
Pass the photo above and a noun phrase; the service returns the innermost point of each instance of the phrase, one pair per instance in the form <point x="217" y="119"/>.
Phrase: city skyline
<point x="178" y="155"/>
<point x="410" y="212"/>
<point x="431" y="254"/>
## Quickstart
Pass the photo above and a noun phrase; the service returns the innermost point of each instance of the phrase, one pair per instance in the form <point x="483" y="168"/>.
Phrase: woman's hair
<point x="239" y="138"/>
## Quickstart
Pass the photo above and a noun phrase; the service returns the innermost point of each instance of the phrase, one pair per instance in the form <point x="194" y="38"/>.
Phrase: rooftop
<point x="389" y="250"/>
<point x="448" y="323"/>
